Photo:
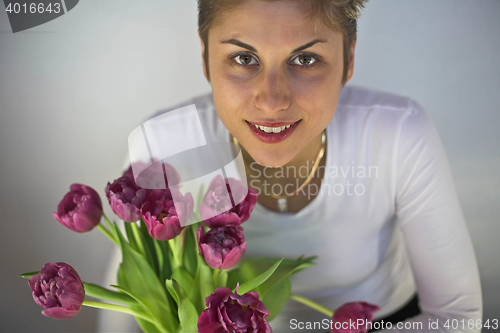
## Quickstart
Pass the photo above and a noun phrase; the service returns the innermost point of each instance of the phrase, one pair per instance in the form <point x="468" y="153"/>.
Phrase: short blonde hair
<point x="340" y="15"/>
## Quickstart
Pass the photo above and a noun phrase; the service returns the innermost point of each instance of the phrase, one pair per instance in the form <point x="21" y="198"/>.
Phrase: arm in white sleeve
<point x="439" y="246"/>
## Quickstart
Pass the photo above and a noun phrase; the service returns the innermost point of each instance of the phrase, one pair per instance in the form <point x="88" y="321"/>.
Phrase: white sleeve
<point x="439" y="246"/>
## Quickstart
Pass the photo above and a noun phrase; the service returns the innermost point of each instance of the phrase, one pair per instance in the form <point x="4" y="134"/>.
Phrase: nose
<point x="272" y="91"/>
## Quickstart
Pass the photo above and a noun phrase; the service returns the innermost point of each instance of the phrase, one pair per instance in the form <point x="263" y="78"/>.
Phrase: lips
<point x="272" y="129"/>
<point x="273" y="132"/>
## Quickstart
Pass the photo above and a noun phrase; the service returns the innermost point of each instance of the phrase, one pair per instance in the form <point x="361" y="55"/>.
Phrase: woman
<point x="357" y="177"/>
<point x="383" y="178"/>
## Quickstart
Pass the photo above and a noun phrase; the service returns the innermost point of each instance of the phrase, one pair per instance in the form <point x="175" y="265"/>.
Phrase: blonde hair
<point x="340" y="15"/>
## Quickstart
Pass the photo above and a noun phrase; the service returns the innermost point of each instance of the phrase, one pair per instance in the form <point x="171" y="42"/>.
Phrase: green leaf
<point x="141" y="279"/>
<point x="232" y="278"/>
<point x="188" y="316"/>
<point x="190" y="250"/>
<point x="256" y="266"/>
<point x="204" y="280"/>
<point x="28" y="275"/>
<point x="119" y="308"/>
<point x="176" y="244"/>
<point x="130" y="237"/>
<point x="162" y="254"/>
<point x="150" y="247"/>
<point x="186" y="281"/>
<point x="258" y="280"/>
<point x="116" y="232"/>
<point x="168" y="254"/>
<point x="276" y="297"/>
<point x="145" y="325"/>
<point x="201" y="195"/>
<point x="93" y="290"/>
<point x="222" y="280"/>
<point x="141" y="245"/>
<point x="171" y="290"/>
<point x="146" y="306"/>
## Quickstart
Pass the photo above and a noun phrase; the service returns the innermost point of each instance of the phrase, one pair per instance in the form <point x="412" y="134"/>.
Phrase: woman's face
<point x="273" y="66"/>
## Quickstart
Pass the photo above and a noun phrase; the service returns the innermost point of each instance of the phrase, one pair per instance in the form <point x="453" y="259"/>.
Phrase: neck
<point x="295" y="168"/>
<point x="259" y="178"/>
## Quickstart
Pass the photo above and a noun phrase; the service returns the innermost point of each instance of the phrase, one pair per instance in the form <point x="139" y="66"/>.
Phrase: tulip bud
<point x="58" y="289"/>
<point x="221" y="247"/>
<point x="162" y="217"/>
<point x="351" y="313"/>
<point x="229" y="312"/>
<point x="80" y="210"/>
<point x="126" y="198"/>
<point x="216" y="210"/>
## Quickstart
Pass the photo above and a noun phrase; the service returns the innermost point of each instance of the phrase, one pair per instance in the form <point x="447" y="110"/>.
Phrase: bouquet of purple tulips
<point x="176" y="276"/>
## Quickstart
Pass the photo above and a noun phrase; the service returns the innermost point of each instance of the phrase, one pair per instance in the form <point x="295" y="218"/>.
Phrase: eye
<point x="305" y="59"/>
<point x="245" y="59"/>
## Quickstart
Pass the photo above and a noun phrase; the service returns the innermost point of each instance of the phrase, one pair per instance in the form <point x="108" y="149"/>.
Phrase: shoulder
<point x="359" y="104"/>
<point x="203" y="104"/>
<point x="202" y="117"/>
<point x="355" y="97"/>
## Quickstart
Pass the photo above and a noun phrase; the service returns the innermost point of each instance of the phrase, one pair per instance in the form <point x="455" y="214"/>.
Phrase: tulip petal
<point x="233" y="256"/>
<point x="59" y="313"/>
<point x="216" y="210"/>
<point x="230" y="312"/>
<point x="82" y="223"/>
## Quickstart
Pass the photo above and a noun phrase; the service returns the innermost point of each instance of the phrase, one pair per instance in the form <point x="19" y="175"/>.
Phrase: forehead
<point x="271" y="22"/>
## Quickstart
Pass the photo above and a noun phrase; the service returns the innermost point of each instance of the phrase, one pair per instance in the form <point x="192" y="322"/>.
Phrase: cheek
<point x="234" y="79"/>
<point x="316" y="94"/>
<point x="231" y="92"/>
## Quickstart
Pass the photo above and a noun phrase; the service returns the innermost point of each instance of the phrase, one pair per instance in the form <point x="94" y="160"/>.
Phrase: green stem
<point x="216" y="277"/>
<point x="138" y="239"/>
<point x="119" y="308"/>
<point x="312" y="304"/>
<point x="160" y="258"/>
<point x="96" y="291"/>
<point x="175" y="252"/>
<point x="110" y="225"/>
<point x="107" y="233"/>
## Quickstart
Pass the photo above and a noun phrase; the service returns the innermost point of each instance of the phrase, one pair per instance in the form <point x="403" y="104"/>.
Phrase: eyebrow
<point x="251" y="48"/>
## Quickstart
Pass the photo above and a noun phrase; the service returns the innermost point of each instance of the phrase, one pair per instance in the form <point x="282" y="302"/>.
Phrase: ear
<point x="203" y="57"/>
<point x="350" y="71"/>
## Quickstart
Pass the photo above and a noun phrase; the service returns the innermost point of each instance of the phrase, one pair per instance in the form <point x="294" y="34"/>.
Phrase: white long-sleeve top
<point x="385" y="224"/>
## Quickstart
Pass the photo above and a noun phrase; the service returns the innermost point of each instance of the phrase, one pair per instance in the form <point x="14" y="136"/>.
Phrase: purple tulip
<point x="221" y="247"/>
<point x="230" y="312"/>
<point x="164" y="219"/>
<point x="126" y="198"/>
<point x="152" y="176"/>
<point x="216" y="210"/>
<point x="350" y="313"/>
<point x="58" y="289"/>
<point x="80" y="210"/>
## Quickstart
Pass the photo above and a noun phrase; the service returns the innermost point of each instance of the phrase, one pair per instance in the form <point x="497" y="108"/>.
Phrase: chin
<point x="271" y="160"/>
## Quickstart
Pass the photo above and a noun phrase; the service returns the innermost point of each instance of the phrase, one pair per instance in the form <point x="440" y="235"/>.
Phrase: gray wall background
<point x="72" y="90"/>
